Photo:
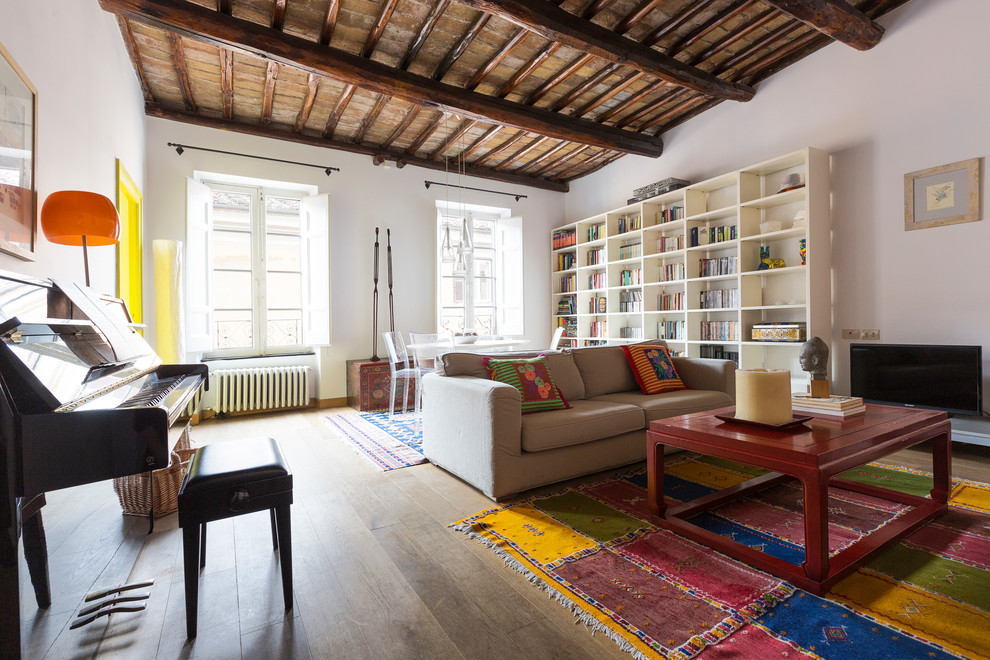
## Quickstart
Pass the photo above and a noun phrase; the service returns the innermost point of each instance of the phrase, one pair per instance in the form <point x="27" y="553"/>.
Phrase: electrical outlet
<point x="850" y="334"/>
<point x="873" y="334"/>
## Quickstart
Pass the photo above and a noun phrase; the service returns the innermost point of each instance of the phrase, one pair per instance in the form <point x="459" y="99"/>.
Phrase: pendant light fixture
<point x="446" y="249"/>
<point x="466" y="246"/>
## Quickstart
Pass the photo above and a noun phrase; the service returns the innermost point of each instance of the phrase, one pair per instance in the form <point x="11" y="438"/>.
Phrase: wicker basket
<point x="134" y="490"/>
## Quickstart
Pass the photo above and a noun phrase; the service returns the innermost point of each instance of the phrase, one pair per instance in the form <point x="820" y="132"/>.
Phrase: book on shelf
<point x="830" y="412"/>
<point x="833" y="402"/>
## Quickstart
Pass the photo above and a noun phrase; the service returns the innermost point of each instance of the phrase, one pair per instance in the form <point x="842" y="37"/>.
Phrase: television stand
<point x="975" y="430"/>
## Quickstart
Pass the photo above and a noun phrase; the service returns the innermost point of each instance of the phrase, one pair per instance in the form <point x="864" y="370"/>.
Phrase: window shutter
<point x="199" y="267"/>
<point x="315" y="230"/>
<point x="510" y="276"/>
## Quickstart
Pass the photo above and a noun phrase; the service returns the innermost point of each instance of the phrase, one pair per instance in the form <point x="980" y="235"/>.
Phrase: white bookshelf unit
<point x="685" y="266"/>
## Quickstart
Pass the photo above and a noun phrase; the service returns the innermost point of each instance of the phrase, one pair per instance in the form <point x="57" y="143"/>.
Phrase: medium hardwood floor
<point x="377" y="573"/>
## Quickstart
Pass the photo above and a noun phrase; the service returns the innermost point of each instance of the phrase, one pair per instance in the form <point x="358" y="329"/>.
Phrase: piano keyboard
<point x="153" y="394"/>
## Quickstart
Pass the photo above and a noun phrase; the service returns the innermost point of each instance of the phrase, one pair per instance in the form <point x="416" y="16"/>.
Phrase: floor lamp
<point x="76" y="217"/>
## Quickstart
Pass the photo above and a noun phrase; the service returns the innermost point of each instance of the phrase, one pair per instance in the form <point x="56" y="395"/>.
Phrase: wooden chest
<point x="368" y="386"/>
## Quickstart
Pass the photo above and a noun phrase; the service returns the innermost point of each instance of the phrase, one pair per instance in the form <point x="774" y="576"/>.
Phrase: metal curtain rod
<point x="497" y="192"/>
<point x="179" y="148"/>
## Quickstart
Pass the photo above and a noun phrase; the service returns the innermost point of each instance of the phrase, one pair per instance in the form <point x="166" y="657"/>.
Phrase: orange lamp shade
<point x="68" y="215"/>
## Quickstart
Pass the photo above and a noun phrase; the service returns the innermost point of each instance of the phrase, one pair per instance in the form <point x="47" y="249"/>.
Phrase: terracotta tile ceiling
<point x="529" y="92"/>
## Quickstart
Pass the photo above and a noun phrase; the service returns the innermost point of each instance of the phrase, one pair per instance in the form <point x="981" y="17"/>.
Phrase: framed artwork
<point x="18" y="146"/>
<point x="945" y="195"/>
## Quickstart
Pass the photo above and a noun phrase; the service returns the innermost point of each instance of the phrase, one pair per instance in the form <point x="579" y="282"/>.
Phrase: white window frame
<point x="315" y="268"/>
<point x="508" y="249"/>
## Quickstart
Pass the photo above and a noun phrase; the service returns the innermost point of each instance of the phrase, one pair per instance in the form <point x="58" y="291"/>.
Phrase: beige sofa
<point x="474" y="428"/>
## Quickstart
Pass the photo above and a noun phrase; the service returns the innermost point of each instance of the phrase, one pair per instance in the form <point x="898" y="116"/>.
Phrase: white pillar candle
<point x="764" y="395"/>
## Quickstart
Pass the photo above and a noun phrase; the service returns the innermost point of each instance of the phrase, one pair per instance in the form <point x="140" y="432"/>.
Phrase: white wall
<point x="917" y="100"/>
<point x="90" y="113"/>
<point x="362" y="197"/>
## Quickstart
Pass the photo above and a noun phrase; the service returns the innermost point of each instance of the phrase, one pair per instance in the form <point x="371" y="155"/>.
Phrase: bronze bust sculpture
<point x="814" y="360"/>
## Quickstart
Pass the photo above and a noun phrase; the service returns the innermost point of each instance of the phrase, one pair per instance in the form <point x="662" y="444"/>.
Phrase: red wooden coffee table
<point x="813" y="453"/>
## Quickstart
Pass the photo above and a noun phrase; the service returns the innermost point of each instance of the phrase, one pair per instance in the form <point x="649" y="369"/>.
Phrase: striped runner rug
<point x="659" y="595"/>
<point x="385" y="444"/>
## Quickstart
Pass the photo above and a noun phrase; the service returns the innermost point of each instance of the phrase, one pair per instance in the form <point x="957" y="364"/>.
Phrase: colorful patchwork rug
<point x="386" y="444"/>
<point x="660" y="595"/>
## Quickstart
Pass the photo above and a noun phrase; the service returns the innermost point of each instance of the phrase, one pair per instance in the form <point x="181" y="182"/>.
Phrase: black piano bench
<point x="228" y="479"/>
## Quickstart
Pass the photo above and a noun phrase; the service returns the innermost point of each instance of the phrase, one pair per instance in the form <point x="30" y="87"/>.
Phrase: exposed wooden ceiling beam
<point x="499" y="149"/>
<point x="586" y="164"/>
<point x="626" y="24"/>
<point x="424" y="32"/>
<point x="329" y="22"/>
<point x="227" y="82"/>
<point x="338" y="110"/>
<point x="596" y="163"/>
<point x="539" y="58"/>
<point x="181" y="70"/>
<point x="271" y="74"/>
<point x="278" y="14"/>
<point x="224" y="6"/>
<point x="637" y="15"/>
<point x="376" y="32"/>
<point x="763" y="42"/>
<point x="132" y="51"/>
<point x="312" y="86"/>
<point x="465" y="126"/>
<point x="560" y="161"/>
<point x="522" y="152"/>
<point x="609" y="93"/>
<point x="371" y="117"/>
<point x="560" y="77"/>
<point x="542" y="157"/>
<point x="208" y="26"/>
<point x="718" y="20"/>
<point x="758" y="21"/>
<point x="588" y="84"/>
<point x="631" y="101"/>
<point x="480" y="21"/>
<point x="403" y="125"/>
<point x="425" y="135"/>
<point x="477" y="144"/>
<point x="561" y="26"/>
<point x="496" y="59"/>
<point x="346" y="145"/>
<point x="836" y="18"/>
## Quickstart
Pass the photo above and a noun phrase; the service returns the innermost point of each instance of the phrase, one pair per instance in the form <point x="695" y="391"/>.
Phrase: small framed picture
<point x="945" y="195"/>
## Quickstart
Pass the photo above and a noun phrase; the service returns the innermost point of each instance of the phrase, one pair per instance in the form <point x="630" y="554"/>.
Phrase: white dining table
<point x="478" y="346"/>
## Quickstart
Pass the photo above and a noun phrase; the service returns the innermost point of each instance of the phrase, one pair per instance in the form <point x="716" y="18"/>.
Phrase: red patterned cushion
<point x="653" y="368"/>
<point x="533" y="380"/>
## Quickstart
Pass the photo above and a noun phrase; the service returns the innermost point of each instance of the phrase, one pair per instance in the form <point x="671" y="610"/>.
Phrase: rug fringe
<point x="581" y="615"/>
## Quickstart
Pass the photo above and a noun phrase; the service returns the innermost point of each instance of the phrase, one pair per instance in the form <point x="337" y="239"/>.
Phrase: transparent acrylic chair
<point x="425" y="347"/>
<point x="401" y="367"/>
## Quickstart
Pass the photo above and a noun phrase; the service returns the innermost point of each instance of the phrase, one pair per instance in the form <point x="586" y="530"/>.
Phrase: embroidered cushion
<point x="533" y="380"/>
<point x="653" y="368"/>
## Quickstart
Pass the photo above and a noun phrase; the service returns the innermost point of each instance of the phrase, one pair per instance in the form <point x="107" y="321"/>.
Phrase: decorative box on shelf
<point x="369" y="383"/>
<point x="783" y="331"/>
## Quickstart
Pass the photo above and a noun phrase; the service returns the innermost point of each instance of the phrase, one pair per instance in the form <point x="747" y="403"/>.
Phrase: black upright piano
<point x="83" y="398"/>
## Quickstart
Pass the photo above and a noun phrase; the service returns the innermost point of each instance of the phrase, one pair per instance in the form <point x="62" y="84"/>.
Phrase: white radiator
<point x="193" y="406"/>
<point x="266" y="388"/>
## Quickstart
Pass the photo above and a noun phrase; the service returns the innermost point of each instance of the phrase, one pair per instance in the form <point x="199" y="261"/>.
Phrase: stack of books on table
<point x="833" y="406"/>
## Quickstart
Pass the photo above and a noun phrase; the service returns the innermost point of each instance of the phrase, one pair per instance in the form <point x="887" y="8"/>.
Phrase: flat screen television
<point x="939" y="377"/>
